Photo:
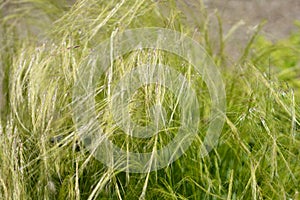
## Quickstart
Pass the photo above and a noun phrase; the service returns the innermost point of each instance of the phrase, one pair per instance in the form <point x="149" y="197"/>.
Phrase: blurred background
<point x="279" y="18"/>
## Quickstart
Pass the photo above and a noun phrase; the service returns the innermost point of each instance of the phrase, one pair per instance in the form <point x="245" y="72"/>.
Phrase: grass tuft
<point x="44" y="44"/>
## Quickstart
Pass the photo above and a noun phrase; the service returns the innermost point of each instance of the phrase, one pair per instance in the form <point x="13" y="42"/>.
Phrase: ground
<point x="279" y="14"/>
<point x="280" y="17"/>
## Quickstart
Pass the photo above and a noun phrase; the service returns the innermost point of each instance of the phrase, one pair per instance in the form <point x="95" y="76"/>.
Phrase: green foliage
<point x="43" y="43"/>
<point x="282" y="56"/>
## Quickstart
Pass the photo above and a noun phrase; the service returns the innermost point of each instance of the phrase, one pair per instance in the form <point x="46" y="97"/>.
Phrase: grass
<point x="44" y="44"/>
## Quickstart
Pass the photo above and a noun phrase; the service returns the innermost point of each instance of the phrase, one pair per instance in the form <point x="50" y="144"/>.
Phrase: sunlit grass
<point x="43" y="45"/>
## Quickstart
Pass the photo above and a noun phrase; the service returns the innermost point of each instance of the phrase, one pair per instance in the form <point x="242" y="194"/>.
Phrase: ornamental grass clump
<point x="46" y="47"/>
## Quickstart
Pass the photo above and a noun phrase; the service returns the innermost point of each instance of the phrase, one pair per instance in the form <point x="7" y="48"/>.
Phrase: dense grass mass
<point x="43" y="45"/>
